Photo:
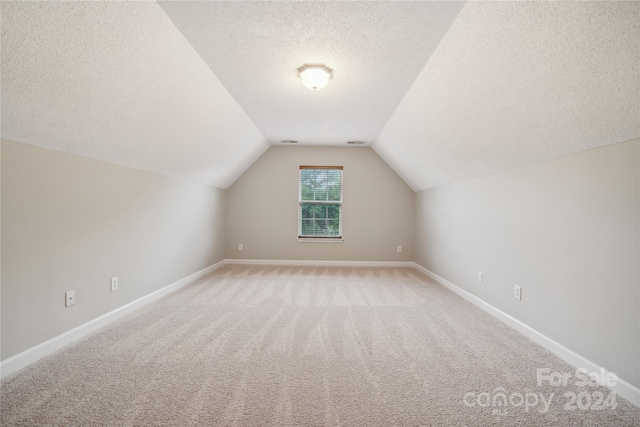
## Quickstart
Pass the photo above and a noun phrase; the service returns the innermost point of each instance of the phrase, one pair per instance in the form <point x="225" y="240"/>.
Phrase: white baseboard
<point x="27" y="357"/>
<point x="622" y="387"/>
<point x="315" y="263"/>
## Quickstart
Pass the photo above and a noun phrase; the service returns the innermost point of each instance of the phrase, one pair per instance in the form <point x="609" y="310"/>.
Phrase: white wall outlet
<point x="240" y="247"/>
<point x="480" y="276"/>
<point x="399" y="249"/>
<point x="114" y="284"/>
<point x="69" y="298"/>
<point x="517" y="292"/>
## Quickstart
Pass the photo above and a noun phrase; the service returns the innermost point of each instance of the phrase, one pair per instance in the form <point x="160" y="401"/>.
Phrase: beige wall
<point x="566" y="230"/>
<point x="262" y="208"/>
<point x="70" y="223"/>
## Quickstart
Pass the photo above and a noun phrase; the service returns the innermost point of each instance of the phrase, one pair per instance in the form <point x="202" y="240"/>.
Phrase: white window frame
<point x="318" y="238"/>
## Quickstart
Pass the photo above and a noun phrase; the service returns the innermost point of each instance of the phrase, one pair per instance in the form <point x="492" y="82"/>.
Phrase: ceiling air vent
<point x="355" y="142"/>
<point x="289" y="142"/>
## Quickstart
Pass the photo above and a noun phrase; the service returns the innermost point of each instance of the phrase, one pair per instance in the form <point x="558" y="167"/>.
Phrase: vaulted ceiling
<point x="443" y="91"/>
<point x="376" y="50"/>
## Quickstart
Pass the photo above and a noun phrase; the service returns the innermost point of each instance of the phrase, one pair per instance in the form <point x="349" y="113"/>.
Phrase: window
<point x="320" y="202"/>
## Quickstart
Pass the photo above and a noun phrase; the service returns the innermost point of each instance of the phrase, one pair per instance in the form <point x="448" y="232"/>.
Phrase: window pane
<point x="334" y="185"/>
<point x="334" y="227"/>
<point x="317" y="215"/>
<point x="319" y="227"/>
<point x="307" y="227"/>
<point x="333" y="211"/>
<point x="319" y="219"/>
<point x="320" y="185"/>
<point x="305" y="211"/>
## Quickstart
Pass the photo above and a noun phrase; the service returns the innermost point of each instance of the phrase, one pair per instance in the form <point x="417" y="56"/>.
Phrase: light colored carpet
<point x="266" y="345"/>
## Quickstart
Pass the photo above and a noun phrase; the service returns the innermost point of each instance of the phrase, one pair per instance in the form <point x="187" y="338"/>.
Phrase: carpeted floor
<point x="304" y="346"/>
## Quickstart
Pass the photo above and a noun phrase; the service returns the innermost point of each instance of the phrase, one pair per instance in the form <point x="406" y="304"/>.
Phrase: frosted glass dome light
<point x="315" y="76"/>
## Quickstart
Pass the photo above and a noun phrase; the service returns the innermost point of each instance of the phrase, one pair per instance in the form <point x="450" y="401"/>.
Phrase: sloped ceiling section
<point x="376" y="50"/>
<point x="117" y="81"/>
<point x="513" y="83"/>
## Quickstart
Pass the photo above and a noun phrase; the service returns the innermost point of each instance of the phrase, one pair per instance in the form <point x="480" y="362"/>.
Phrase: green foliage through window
<point x="320" y="203"/>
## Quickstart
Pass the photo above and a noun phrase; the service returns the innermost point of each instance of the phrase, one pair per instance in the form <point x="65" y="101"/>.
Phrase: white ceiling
<point x="196" y="89"/>
<point x="513" y="83"/>
<point x="376" y="50"/>
<point x="116" y="81"/>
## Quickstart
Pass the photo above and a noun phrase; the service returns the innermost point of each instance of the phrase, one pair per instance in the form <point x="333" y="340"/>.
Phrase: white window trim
<point x="320" y="239"/>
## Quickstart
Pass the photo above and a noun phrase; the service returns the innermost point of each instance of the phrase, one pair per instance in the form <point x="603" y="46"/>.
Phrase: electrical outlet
<point x="240" y="247"/>
<point x="69" y="298"/>
<point x="114" y="284"/>
<point x="480" y="276"/>
<point x="399" y="249"/>
<point x="517" y="293"/>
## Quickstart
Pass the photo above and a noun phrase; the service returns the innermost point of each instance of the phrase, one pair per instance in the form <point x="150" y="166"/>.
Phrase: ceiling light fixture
<point x="315" y="76"/>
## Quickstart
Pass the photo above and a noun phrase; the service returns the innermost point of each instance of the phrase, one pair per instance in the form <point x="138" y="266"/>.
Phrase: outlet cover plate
<point x="69" y="298"/>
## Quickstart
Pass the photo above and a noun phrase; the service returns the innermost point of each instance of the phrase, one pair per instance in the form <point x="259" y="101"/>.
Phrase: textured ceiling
<point x="447" y="90"/>
<point x="118" y="82"/>
<point x="376" y="50"/>
<point x="513" y="83"/>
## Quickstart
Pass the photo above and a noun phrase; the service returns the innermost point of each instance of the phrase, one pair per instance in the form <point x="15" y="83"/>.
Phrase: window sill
<point x="319" y="240"/>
